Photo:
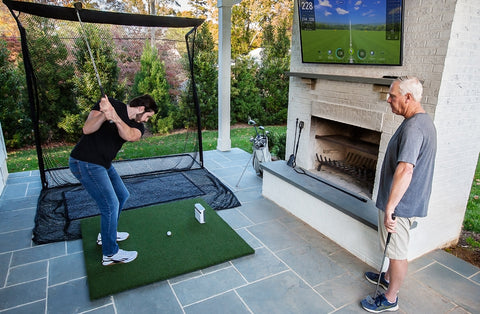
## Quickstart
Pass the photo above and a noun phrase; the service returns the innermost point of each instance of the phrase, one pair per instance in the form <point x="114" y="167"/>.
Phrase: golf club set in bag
<point x="260" y="149"/>
<point x="292" y="160"/>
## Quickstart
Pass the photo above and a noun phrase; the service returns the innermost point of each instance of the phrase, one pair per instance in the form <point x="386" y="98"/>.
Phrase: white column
<point x="224" y="67"/>
<point x="3" y="162"/>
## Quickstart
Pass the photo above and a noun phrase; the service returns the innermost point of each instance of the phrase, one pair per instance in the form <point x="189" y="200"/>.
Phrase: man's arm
<point x="127" y="133"/>
<point x="94" y="121"/>
<point x="401" y="181"/>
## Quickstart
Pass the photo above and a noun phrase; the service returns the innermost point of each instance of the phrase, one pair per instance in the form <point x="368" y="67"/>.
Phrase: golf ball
<point x="169" y="233"/>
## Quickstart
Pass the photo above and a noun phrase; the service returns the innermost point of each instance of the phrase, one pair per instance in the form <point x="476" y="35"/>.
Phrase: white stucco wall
<point x="441" y="47"/>
<point x="457" y="118"/>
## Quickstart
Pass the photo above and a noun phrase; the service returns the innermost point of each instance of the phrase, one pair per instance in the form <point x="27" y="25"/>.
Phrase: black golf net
<point x="62" y="82"/>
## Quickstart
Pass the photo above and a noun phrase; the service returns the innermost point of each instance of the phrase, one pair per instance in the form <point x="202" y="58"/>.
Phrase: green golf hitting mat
<point x="191" y="246"/>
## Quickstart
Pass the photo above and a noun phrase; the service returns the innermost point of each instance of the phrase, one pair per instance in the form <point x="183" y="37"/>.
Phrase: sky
<point x="359" y="11"/>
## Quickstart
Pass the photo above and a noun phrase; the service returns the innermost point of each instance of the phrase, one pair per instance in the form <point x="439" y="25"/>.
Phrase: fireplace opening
<point x="346" y="155"/>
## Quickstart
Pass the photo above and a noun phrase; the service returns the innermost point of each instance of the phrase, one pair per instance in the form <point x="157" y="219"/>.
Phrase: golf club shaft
<point x="389" y="236"/>
<point x="89" y="51"/>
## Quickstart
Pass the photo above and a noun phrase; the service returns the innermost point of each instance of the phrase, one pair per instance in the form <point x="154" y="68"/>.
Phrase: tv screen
<point x="351" y="31"/>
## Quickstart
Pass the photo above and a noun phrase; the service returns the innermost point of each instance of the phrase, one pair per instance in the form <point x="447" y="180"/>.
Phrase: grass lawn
<point x="472" y="215"/>
<point x="26" y="159"/>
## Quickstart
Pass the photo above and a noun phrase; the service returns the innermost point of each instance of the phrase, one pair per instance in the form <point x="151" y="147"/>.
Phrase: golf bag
<point x="261" y="153"/>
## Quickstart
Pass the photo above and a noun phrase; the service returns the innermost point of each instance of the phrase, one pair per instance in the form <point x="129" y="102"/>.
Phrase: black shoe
<point x="373" y="278"/>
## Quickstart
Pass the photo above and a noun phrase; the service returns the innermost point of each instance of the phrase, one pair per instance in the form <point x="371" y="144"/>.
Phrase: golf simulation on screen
<point x="351" y="31"/>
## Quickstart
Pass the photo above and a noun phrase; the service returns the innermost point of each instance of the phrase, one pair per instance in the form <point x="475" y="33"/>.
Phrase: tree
<point x="16" y="123"/>
<point x="206" y="79"/>
<point x="55" y="87"/>
<point x="151" y="79"/>
<point x="8" y="27"/>
<point x="250" y="19"/>
<point x="272" y="80"/>
<point x="245" y="95"/>
<point x="244" y="27"/>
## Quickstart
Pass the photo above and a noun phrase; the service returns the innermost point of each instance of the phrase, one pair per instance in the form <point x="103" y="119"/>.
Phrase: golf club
<point x="292" y="156"/>
<point x="369" y="299"/>
<point x="78" y="7"/>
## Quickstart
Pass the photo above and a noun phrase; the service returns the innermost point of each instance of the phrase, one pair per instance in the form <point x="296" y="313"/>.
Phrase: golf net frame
<point x="51" y="176"/>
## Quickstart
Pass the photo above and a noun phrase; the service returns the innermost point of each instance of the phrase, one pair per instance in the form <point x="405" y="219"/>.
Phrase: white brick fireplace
<point x="442" y="48"/>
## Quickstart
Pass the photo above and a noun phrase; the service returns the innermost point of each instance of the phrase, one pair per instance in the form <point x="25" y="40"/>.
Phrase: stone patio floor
<point x="294" y="269"/>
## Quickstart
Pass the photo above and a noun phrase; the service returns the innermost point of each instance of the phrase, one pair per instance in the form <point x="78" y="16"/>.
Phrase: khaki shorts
<point x="398" y="246"/>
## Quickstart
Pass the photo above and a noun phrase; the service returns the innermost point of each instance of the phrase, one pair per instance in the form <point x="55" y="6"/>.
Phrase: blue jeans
<point x="109" y="192"/>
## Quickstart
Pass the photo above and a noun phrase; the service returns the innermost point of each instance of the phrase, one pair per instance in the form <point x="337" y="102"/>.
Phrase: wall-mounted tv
<point x="351" y="31"/>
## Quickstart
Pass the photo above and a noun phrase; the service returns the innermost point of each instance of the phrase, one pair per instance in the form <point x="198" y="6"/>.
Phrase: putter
<point x="369" y="299"/>
<point x="292" y="156"/>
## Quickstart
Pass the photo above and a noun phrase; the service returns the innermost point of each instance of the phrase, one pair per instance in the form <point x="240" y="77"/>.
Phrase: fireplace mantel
<point x="343" y="78"/>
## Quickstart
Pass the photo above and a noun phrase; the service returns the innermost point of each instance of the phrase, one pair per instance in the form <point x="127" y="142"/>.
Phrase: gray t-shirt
<point x="414" y="142"/>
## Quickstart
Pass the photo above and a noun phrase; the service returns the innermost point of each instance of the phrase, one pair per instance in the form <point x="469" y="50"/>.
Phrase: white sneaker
<point x="121" y="236"/>
<point x="121" y="257"/>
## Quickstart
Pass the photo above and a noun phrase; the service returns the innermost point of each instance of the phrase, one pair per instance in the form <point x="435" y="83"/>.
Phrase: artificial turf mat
<point x="192" y="246"/>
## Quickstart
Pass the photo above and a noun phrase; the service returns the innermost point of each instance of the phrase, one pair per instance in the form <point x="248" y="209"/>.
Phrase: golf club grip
<point x="390" y="234"/>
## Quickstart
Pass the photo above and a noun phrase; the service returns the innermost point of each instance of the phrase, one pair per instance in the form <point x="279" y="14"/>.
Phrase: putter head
<point x="251" y="122"/>
<point x="77" y="5"/>
<point x="368" y="300"/>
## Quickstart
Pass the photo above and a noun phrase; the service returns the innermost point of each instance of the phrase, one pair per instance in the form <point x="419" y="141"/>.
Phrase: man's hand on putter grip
<point x="390" y="222"/>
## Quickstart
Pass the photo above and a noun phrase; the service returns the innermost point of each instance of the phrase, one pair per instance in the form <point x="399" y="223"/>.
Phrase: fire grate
<point x="355" y="165"/>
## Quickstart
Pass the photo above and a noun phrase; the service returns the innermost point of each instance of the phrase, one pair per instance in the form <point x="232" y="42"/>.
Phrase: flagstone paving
<point x="294" y="269"/>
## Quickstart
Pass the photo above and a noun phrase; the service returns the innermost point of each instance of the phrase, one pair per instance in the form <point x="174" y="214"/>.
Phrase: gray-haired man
<point x="405" y="186"/>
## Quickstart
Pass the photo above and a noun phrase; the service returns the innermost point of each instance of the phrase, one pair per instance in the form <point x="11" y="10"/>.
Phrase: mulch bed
<point x="465" y="251"/>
